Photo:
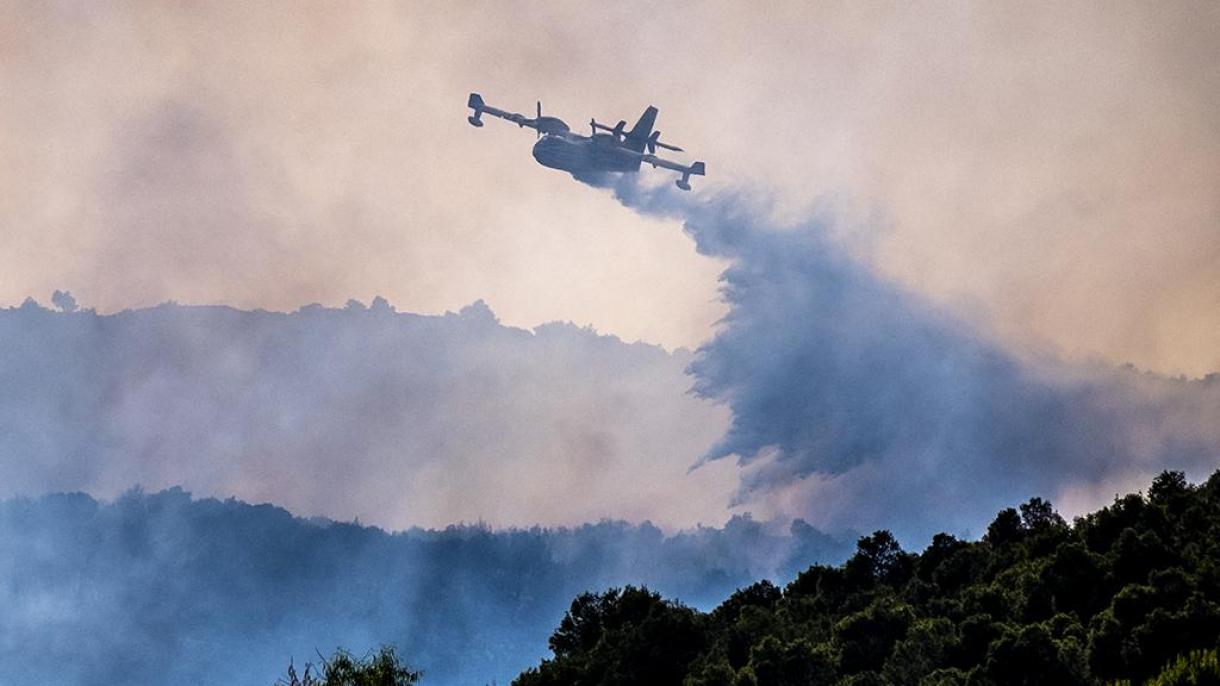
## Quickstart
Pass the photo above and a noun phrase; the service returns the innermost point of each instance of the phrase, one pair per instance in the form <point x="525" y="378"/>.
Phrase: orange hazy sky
<point x="1050" y="170"/>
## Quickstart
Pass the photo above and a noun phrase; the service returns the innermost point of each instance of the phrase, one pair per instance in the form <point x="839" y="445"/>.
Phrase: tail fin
<point x="637" y="138"/>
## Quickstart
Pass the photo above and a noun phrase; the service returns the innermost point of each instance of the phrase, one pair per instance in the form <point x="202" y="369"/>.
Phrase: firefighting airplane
<point x="617" y="150"/>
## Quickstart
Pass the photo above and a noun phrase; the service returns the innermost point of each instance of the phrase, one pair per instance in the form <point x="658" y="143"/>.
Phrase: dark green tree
<point x="1196" y="668"/>
<point x="879" y="559"/>
<point x="1113" y="597"/>
<point x="623" y="636"/>
<point x="1031" y="657"/>
<point x="866" y="638"/>
<point x="929" y="645"/>
<point x="1005" y="529"/>
<point x="382" y="668"/>
<point x="796" y="663"/>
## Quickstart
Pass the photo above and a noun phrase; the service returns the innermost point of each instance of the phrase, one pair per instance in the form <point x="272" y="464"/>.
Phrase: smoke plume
<point x="394" y="418"/>
<point x="858" y="404"/>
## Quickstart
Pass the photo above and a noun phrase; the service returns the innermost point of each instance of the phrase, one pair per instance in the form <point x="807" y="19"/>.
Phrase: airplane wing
<point x="480" y="108"/>
<point x="696" y="168"/>
<point x="663" y="163"/>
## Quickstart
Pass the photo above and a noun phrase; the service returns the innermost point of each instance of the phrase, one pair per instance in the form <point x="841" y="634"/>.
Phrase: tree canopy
<point x="1124" y="594"/>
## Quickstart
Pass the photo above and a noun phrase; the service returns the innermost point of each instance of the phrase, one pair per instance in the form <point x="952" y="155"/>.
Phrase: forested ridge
<point x="179" y="586"/>
<point x="1129" y="592"/>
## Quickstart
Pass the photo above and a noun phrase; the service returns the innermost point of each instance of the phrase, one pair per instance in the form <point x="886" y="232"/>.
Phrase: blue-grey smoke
<point x="355" y="411"/>
<point x="864" y="405"/>
<point x="396" y="418"/>
<point x="163" y="589"/>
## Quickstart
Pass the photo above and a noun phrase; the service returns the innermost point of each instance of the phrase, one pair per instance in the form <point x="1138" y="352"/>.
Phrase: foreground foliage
<point x="382" y="668"/>
<point x="1198" y="668"/>
<point x="1116" y="596"/>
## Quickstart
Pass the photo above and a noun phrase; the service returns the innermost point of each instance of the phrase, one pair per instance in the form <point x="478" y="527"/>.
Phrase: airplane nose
<point x="545" y="152"/>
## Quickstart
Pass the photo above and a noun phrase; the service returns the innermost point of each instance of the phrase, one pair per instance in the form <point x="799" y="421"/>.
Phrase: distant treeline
<point x="1129" y="592"/>
<point x="161" y="588"/>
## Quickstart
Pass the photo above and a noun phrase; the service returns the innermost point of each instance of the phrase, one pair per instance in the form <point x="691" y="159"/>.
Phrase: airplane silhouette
<point x="617" y="150"/>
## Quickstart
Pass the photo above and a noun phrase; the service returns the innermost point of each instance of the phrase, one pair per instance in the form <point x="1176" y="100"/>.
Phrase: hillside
<point x="1118" y="594"/>
<point x="157" y="588"/>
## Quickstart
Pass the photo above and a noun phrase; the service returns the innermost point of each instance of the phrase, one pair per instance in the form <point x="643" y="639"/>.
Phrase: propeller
<point x="616" y="130"/>
<point x="538" y="129"/>
<point x="654" y="142"/>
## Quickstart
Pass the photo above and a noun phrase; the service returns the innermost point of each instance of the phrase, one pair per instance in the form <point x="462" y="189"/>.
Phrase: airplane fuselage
<point x="583" y="154"/>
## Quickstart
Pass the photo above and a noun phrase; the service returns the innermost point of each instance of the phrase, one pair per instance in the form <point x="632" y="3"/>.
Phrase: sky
<point x="1049" y="170"/>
